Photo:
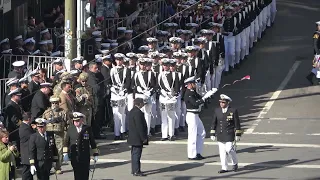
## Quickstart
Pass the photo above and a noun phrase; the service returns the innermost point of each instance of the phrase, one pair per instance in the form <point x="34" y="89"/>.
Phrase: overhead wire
<point x="176" y="14"/>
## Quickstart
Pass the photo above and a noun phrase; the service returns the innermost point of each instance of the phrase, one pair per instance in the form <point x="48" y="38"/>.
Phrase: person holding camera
<point x="8" y="153"/>
<point x="138" y="135"/>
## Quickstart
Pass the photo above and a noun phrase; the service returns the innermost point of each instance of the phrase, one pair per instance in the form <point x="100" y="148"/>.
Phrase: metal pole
<point x="69" y="30"/>
<point x="79" y="23"/>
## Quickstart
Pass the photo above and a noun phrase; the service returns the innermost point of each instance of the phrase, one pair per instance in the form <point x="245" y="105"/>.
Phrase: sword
<point x="94" y="168"/>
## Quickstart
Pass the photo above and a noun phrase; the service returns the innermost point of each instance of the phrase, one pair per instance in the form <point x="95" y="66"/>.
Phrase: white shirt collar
<point x="224" y="110"/>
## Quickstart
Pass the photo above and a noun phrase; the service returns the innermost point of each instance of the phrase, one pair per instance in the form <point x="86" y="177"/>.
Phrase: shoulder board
<point x="315" y="36"/>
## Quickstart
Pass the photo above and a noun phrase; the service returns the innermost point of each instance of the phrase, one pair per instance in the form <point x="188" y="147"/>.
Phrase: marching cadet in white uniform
<point x="121" y="78"/>
<point x="196" y="131"/>
<point x="153" y="44"/>
<point x="156" y="69"/>
<point x="175" y="43"/>
<point x="229" y="38"/>
<point x="237" y="33"/>
<point x="173" y="64"/>
<point x="226" y="128"/>
<point x="196" y="63"/>
<point x="144" y="84"/>
<point x="186" y="72"/>
<point x="169" y="89"/>
<point x="218" y="54"/>
<point x="204" y="57"/>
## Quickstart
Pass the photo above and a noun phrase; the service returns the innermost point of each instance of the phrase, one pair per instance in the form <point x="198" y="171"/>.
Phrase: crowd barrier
<point x="32" y="62"/>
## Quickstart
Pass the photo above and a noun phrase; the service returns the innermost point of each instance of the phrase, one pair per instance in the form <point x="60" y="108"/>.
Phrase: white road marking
<point x="274" y="96"/>
<point x="184" y="142"/>
<point x="301" y="166"/>
<point x="277" y="119"/>
<point x="314" y="134"/>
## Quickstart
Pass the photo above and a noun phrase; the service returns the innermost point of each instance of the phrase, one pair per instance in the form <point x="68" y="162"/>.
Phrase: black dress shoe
<point x="235" y="168"/>
<point x="152" y="131"/>
<point x="117" y="138"/>
<point x="222" y="171"/>
<point x="171" y="138"/>
<point x="200" y="156"/>
<point x="164" y="139"/>
<point x="139" y="174"/>
<point x="195" y="159"/>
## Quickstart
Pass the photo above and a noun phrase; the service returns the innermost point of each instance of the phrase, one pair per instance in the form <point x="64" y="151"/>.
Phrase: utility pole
<point x="80" y="24"/>
<point x="70" y="35"/>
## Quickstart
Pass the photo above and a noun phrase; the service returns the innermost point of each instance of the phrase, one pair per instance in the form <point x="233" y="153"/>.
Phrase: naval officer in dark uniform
<point x="42" y="151"/>
<point x="226" y="127"/>
<point x="79" y="141"/>
<point x="138" y="135"/>
<point x="40" y="101"/>
<point x="25" y="131"/>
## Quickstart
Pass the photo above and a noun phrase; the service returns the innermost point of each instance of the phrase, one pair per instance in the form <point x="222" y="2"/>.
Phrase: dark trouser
<point x="98" y="118"/>
<point x="80" y="169"/>
<point x="108" y="112"/>
<point x="26" y="174"/>
<point x="313" y="79"/>
<point x="43" y="170"/>
<point x="136" y="152"/>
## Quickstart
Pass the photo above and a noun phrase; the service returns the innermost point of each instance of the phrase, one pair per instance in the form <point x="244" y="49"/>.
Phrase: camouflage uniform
<point x="66" y="76"/>
<point x="57" y="116"/>
<point x="84" y="98"/>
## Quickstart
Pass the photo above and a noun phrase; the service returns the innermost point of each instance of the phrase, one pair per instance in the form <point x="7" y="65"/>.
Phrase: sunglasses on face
<point x="84" y="81"/>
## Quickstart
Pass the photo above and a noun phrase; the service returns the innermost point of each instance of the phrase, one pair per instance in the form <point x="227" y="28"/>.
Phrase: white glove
<point x="65" y="157"/>
<point x="163" y="92"/>
<point x="213" y="138"/>
<point x="33" y="170"/>
<point x="85" y="96"/>
<point x="113" y="90"/>
<point x="147" y="93"/>
<point x="139" y="89"/>
<point x="237" y="138"/>
<point x="121" y="93"/>
<point x="214" y="90"/>
<point x="95" y="158"/>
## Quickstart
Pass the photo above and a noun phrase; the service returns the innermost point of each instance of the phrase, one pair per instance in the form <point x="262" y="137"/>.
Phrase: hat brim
<point x="76" y="119"/>
<point x="224" y="100"/>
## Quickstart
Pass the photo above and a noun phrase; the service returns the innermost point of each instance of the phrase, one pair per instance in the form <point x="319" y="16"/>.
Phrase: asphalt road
<point x="279" y="112"/>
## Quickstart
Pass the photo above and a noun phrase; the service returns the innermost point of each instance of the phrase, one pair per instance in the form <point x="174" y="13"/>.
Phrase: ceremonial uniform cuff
<point x="95" y="151"/>
<point x="238" y="132"/>
<point x="65" y="150"/>
<point x="31" y="162"/>
<point x="212" y="133"/>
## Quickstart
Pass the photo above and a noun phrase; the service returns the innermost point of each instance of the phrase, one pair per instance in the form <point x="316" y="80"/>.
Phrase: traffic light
<point x="90" y="16"/>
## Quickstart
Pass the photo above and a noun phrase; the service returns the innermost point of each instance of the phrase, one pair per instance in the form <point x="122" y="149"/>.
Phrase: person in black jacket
<point x="105" y="71"/>
<point x="40" y="101"/>
<point x="34" y="84"/>
<point x="79" y="142"/>
<point x="95" y="80"/>
<point x="42" y="151"/>
<point x="25" y="131"/>
<point x="138" y="135"/>
<point x="226" y="127"/>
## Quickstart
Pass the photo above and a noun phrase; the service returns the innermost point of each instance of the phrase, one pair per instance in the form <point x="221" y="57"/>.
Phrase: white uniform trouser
<point x="182" y="122"/>
<point x="260" y="19"/>
<point x="243" y="35"/>
<point x="158" y="111"/>
<point x="248" y="40"/>
<point x="251" y="34"/>
<point x="196" y="134"/>
<point x="178" y="113"/>
<point x="227" y="151"/>
<point x="119" y="117"/>
<point x="207" y="81"/>
<point x="168" y="119"/>
<point x="154" y="113"/>
<point x="147" y="115"/>
<point x="256" y="28"/>
<point x="230" y="51"/>
<point x="273" y="10"/>
<point x="268" y="10"/>
<point x="237" y="48"/>
<point x="218" y="74"/>
<point x="265" y="18"/>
